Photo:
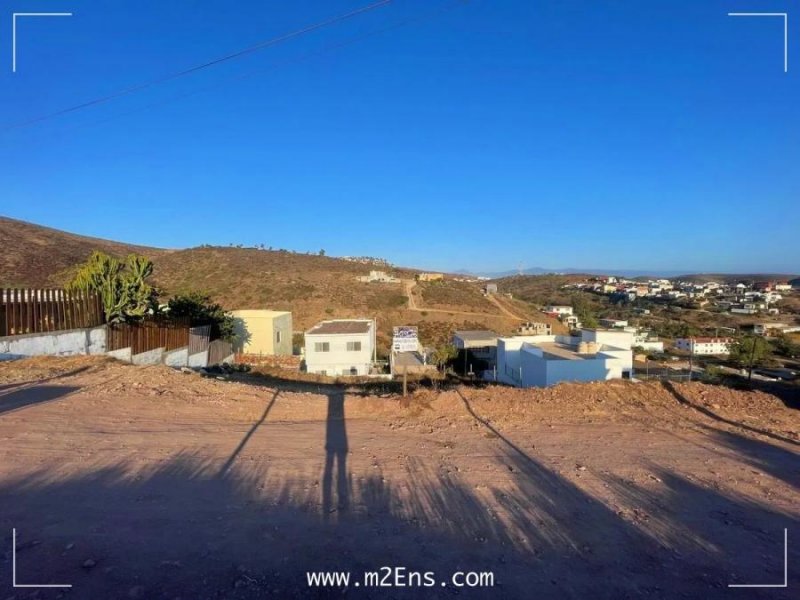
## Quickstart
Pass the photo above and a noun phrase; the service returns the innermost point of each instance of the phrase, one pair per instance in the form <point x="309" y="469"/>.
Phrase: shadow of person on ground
<point x="336" y="449"/>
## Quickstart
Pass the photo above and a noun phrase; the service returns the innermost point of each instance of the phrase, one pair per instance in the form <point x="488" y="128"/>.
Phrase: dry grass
<point x="312" y="287"/>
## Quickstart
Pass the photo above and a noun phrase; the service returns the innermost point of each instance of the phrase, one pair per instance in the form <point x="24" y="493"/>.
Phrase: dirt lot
<point x="143" y="482"/>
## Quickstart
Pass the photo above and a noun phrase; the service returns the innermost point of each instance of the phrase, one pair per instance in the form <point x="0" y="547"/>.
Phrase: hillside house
<point x="263" y="332"/>
<point x="544" y="360"/>
<point x="704" y="346"/>
<point x="534" y="328"/>
<point x="612" y="323"/>
<point x="341" y="347"/>
<point x="378" y="277"/>
<point x="746" y="308"/>
<point x="558" y="309"/>
<point x="430" y="277"/>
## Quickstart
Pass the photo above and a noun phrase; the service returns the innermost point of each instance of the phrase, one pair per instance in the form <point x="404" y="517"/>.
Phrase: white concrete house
<point x="340" y="347"/>
<point x="704" y="345"/>
<point x="544" y="360"/>
<point x="557" y="309"/>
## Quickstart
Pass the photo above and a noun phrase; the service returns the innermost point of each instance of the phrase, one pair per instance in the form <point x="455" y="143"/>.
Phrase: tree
<point x="322" y="252"/>
<point x="444" y="354"/>
<point x="121" y="285"/>
<point x="200" y="310"/>
<point x="750" y="351"/>
<point x="584" y="313"/>
<point x="784" y="346"/>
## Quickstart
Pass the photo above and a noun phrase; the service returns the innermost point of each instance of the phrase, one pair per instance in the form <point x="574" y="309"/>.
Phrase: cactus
<point x="122" y="287"/>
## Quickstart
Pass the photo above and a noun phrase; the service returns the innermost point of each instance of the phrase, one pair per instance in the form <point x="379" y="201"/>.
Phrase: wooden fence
<point x="219" y="350"/>
<point x="44" y="310"/>
<point x="199" y="338"/>
<point x="148" y="335"/>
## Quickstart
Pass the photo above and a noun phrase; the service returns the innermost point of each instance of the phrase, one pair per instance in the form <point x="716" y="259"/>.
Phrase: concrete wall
<point x="618" y="339"/>
<point x="533" y="367"/>
<point x="56" y="343"/>
<point x="199" y="359"/>
<point x="151" y="357"/>
<point x="123" y="354"/>
<point x="588" y="369"/>
<point x="177" y="358"/>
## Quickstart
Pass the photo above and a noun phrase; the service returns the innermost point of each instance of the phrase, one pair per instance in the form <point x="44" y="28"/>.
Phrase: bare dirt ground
<point x="143" y="482"/>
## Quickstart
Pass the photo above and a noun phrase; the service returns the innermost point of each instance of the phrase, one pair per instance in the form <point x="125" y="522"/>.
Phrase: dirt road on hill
<point x="410" y="284"/>
<point x="144" y="482"/>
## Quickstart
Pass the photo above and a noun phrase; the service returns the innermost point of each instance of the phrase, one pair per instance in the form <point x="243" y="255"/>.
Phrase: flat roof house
<point x="704" y="345"/>
<point x="264" y="332"/>
<point x="544" y="360"/>
<point x="340" y="347"/>
<point x="558" y="309"/>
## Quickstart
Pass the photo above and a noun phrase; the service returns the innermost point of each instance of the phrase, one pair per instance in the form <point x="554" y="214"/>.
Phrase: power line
<point x="249" y="50"/>
<point x="325" y="49"/>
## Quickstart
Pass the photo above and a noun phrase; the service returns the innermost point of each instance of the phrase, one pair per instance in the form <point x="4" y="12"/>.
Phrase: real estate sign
<point x="405" y="339"/>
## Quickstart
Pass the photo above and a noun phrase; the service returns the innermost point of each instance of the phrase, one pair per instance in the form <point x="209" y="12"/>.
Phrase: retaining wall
<point x="55" y="343"/>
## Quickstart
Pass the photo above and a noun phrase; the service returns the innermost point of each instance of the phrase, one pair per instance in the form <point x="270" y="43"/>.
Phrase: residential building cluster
<point x="751" y="298"/>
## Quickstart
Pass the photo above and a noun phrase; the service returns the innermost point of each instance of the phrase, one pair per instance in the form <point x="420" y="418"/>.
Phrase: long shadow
<point x="232" y="458"/>
<point x="176" y="529"/>
<point x="336" y="449"/>
<point x="680" y="539"/>
<point x="709" y="413"/>
<point x="779" y="462"/>
<point x="33" y="382"/>
<point x="28" y="396"/>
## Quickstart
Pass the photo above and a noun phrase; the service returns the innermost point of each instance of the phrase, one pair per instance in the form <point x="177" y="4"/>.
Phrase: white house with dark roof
<point x="340" y="347"/>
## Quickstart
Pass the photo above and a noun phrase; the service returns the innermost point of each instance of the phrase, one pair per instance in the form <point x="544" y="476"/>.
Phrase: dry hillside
<point x="312" y="287"/>
<point x="35" y="256"/>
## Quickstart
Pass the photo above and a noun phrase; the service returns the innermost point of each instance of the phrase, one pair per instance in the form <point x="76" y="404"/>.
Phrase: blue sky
<point x="597" y="134"/>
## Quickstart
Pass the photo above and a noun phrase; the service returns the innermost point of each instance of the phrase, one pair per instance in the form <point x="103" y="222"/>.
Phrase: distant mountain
<point x="574" y="271"/>
<point x="635" y="273"/>
<point x="736" y="277"/>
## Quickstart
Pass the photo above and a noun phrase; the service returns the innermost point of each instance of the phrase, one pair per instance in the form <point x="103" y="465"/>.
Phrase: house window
<point x="353" y="370"/>
<point x="278" y="337"/>
<point x="354" y="346"/>
<point x="322" y="347"/>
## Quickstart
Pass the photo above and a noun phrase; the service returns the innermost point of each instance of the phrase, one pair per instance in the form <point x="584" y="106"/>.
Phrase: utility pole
<point x="752" y="358"/>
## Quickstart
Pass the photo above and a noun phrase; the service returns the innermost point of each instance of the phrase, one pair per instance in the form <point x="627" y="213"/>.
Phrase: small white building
<point x="612" y="323"/>
<point x="700" y="346"/>
<point x="544" y="360"/>
<point x="340" y="347"/>
<point x="378" y="277"/>
<point x="647" y="342"/>
<point x="558" y="309"/>
<point x="746" y="308"/>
